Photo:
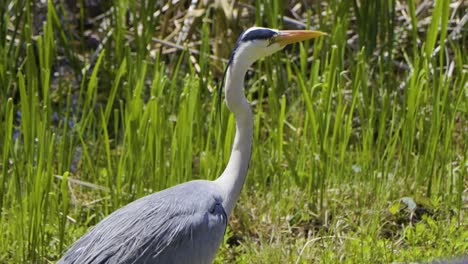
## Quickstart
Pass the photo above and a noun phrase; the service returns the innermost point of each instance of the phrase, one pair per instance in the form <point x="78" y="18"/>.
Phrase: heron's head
<point x="258" y="42"/>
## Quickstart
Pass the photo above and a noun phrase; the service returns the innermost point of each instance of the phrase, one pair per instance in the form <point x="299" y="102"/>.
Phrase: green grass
<point x="345" y="127"/>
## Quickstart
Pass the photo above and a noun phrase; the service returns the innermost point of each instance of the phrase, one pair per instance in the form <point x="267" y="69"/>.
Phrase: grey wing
<point x="182" y="224"/>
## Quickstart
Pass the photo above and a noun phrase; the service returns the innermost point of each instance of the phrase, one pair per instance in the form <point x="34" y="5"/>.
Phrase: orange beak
<point x="292" y="36"/>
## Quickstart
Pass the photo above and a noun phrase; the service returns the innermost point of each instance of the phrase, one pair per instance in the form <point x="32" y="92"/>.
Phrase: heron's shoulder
<point x="196" y="187"/>
<point x="197" y="194"/>
<point x="200" y="188"/>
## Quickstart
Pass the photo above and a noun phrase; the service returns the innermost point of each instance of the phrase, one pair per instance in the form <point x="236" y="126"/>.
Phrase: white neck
<point x="233" y="177"/>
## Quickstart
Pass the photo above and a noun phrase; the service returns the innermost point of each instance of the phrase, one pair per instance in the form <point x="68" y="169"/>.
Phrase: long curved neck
<point x="233" y="177"/>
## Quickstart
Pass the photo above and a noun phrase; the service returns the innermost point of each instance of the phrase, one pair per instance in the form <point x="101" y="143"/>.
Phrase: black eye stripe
<point x="258" y="34"/>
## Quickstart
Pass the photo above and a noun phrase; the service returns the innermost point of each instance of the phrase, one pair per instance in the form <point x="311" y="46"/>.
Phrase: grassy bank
<point x="360" y="138"/>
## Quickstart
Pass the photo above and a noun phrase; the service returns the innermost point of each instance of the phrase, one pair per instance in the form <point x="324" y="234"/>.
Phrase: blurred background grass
<point x="360" y="138"/>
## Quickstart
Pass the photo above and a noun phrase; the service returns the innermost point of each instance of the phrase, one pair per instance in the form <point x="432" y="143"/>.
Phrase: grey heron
<point x="186" y="223"/>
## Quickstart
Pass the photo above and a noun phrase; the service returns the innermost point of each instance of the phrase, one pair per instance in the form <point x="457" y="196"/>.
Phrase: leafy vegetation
<point x="360" y="138"/>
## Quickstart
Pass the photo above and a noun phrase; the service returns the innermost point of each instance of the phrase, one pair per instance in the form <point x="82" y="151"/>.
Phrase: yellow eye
<point x="271" y="40"/>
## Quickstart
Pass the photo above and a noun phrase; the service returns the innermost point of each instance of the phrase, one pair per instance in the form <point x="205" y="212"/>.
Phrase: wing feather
<point x="182" y="224"/>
